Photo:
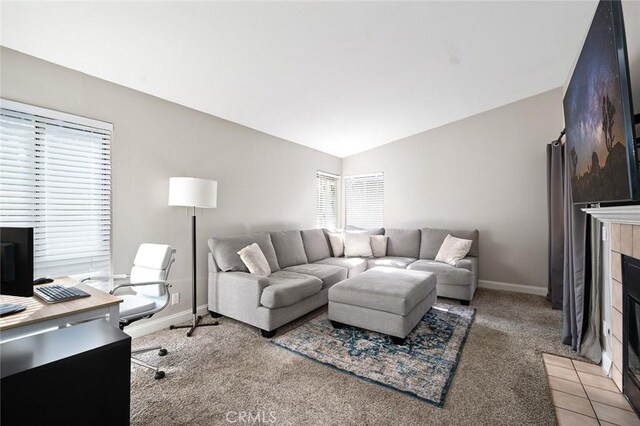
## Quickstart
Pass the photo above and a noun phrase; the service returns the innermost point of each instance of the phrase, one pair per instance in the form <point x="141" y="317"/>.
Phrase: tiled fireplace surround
<point x="621" y="236"/>
<point x="625" y="239"/>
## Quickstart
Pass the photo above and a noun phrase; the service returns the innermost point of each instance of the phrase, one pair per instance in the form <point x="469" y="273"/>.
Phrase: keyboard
<point x="10" y="308"/>
<point x="57" y="293"/>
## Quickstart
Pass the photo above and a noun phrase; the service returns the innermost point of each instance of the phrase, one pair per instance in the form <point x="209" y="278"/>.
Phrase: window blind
<point x="55" y="176"/>
<point x="327" y="200"/>
<point x="364" y="200"/>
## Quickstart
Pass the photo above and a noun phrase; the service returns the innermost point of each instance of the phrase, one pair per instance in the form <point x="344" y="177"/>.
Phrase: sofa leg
<point x="337" y="325"/>
<point x="215" y="314"/>
<point x="398" y="340"/>
<point x="268" y="334"/>
<point x="465" y="302"/>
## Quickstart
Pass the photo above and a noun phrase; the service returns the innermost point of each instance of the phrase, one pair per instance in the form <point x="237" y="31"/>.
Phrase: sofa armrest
<point x="469" y="263"/>
<point x="235" y="291"/>
<point x="213" y="267"/>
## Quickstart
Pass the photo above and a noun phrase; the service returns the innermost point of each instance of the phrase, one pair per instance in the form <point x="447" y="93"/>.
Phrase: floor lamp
<point x="193" y="193"/>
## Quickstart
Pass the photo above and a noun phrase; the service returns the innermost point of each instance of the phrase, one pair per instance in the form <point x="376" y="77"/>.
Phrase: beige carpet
<point x="225" y="370"/>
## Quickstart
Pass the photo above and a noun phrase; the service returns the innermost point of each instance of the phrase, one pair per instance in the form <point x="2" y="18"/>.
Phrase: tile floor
<point x="583" y="395"/>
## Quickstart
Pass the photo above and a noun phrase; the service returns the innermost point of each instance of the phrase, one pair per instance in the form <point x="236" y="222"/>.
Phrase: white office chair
<point x="148" y="291"/>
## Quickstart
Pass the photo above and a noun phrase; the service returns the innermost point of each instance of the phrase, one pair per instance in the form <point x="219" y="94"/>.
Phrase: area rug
<point x="423" y="368"/>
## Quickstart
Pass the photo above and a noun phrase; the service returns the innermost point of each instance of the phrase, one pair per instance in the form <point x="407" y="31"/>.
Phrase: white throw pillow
<point x="254" y="260"/>
<point x="357" y="244"/>
<point x="336" y="239"/>
<point x="453" y="249"/>
<point x="379" y="245"/>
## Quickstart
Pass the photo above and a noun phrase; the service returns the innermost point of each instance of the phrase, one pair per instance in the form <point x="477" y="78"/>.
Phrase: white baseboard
<point x="151" y="325"/>
<point x="517" y="288"/>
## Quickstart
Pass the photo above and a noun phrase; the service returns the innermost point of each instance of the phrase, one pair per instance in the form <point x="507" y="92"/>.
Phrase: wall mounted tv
<point x="601" y="152"/>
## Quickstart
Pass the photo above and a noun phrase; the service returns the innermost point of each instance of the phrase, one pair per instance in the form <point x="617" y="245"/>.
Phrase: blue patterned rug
<point x="422" y="368"/>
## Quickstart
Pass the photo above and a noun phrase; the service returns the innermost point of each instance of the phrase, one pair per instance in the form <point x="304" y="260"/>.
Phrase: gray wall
<point x="263" y="182"/>
<point x="487" y="172"/>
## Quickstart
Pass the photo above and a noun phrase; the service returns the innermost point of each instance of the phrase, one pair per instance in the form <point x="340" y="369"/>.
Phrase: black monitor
<point x="16" y="261"/>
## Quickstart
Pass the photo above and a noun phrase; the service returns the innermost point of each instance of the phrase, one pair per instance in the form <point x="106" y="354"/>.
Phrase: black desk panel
<point x="75" y="375"/>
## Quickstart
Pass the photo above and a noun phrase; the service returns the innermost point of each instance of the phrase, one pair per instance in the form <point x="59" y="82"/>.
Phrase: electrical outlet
<point x="175" y="298"/>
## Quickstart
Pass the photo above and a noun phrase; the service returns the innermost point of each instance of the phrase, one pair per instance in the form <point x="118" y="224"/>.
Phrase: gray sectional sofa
<point x="303" y="269"/>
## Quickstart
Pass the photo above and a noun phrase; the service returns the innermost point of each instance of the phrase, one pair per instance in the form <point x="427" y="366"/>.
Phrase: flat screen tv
<point x="601" y="154"/>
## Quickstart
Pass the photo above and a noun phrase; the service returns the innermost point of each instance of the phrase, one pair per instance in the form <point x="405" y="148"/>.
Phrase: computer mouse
<point x="42" y="281"/>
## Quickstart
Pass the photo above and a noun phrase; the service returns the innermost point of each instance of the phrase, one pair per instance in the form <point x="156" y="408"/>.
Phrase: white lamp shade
<point x="193" y="192"/>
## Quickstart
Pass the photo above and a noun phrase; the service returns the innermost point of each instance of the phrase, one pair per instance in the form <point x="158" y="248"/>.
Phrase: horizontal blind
<point x="55" y="176"/>
<point x="364" y="200"/>
<point x="326" y="200"/>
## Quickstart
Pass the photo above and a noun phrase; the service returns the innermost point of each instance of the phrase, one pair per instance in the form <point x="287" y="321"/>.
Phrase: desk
<point x="78" y="375"/>
<point x="40" y="316"/>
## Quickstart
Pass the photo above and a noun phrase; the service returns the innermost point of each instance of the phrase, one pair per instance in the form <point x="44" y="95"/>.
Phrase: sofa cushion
<point x="357" y="244"/>
<point x="336" y="241"/>
<point x="385" y="289"/>
<point x="225" y="251"/>
<point x="453" y="249"/>
<point x="379" y="245"/>
<point x="254" y="260"/>
<point x="316" y="244"/>
<point x="289" y="248"/>
<point x="446" y="274"/>
<point x="390" y="261"/>
<point x="432" y="239"/>
<point x="353" y="265"/>
<point x="403" y="242"/>
<point x="329" y="274"/>
<point x="287" y="288"/>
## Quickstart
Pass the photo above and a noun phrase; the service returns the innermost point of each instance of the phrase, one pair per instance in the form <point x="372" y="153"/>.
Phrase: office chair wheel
<point x="162" y="352"/>
<point x="159" y="375"/>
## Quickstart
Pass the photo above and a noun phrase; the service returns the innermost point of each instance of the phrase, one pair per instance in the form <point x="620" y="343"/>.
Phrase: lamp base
<point x="195" y="322"/>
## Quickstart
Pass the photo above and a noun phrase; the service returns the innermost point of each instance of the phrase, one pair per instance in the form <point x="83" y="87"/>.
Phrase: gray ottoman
<point x="387" y="300"/>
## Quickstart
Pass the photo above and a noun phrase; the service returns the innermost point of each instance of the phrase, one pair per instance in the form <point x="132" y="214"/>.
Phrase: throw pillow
<point x="254" y="260"/>
<point x="379" y="245"/>
<point x="336" y="239"/>
<point x="453" y="249"/>
<point x="357" y="244"/>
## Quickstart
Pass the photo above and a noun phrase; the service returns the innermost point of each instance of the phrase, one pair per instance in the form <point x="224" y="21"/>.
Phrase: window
<point x="364" y="197"/>
<point x="327" y="200"/>
<point x="55" y="176"/>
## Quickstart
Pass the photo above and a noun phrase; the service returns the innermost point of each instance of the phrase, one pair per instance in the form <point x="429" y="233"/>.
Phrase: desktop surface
<point x="38" y="310"/>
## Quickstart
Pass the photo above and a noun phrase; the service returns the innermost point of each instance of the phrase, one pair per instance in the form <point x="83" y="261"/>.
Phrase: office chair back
<point x="152" y="263"/>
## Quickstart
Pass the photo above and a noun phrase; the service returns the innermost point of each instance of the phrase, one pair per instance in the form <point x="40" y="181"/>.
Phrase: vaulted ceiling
<point x="340" y="77"/>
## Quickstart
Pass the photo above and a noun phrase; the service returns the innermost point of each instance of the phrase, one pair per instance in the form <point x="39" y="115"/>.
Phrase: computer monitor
<point x="16" y="261"/>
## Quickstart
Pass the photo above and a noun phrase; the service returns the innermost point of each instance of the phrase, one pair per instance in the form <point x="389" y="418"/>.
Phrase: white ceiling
<point x="340" y="77"/>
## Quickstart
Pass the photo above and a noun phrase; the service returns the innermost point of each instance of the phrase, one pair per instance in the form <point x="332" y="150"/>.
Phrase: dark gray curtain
<point x="591" y="347"/>
<point x="576" y="270"/>
<point x="555" y="210"/>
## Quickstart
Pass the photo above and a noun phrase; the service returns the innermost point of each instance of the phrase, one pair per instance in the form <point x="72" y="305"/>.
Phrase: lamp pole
<point x="188" y="190"/>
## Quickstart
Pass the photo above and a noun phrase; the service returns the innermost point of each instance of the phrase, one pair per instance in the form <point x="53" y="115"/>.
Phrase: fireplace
<point x="631" y="333"/>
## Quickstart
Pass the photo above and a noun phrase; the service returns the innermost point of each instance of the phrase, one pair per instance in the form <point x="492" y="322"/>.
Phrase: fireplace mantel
<point x="618" y="214"/>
